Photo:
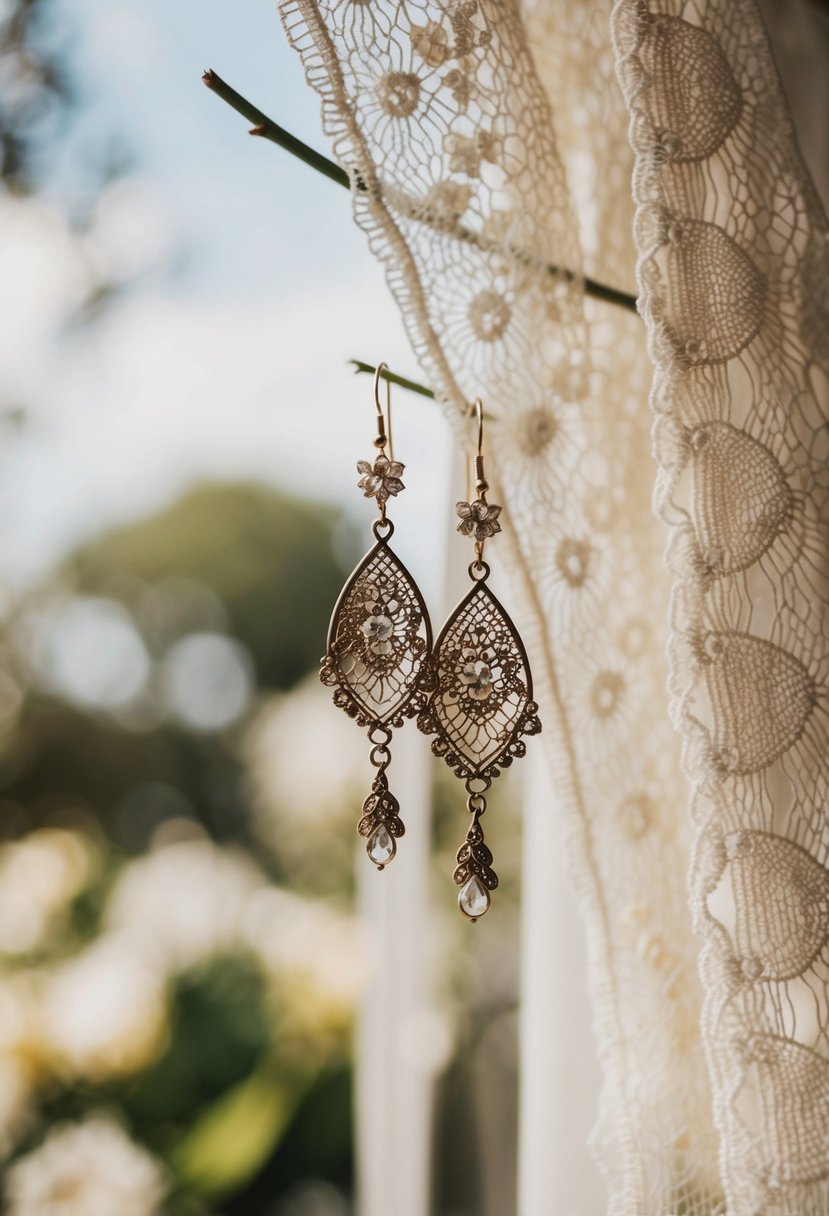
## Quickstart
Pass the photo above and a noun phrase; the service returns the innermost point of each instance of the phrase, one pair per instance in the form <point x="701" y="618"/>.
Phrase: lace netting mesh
<point x="461" y="145"/>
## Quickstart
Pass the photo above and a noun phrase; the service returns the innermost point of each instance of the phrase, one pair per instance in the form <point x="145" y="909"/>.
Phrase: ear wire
<point x="384" y="435"/>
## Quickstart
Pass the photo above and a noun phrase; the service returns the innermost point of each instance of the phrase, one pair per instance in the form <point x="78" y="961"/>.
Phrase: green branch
<point x="268" y="129"/>
<point x="393" y="378"/>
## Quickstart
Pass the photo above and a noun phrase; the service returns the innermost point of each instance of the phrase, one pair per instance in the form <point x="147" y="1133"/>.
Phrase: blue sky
<point x="140" y="69"/>
<point x="228" y="359"/>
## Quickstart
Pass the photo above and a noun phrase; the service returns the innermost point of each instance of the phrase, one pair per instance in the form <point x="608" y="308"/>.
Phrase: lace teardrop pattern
<point x="724" y="293"/>
<point x="762" y="697"/>
<point x="781" y="904"/>
<point x="482" y="700"/>
<point x="793" y="1088"/>
<point x="742" y="498"/>
<point x="699" y="101"/>
<point x="379" y="641"/>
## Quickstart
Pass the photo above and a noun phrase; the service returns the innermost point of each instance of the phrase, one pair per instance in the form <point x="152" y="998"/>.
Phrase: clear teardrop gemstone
<point x="381" y="846"/>
<point x="473" y="899"/>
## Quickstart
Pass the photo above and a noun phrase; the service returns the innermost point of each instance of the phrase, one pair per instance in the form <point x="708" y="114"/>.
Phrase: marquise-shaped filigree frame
<point x="379" y="641"/>
<point x="482" y="701"/>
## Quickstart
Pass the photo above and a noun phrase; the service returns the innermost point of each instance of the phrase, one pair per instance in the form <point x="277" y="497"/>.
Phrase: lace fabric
<point x="732" y="271"/>
<point x="489" y="180"/>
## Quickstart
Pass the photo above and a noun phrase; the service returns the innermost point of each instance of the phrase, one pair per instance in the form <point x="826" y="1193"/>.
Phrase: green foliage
<point x="237" y="1106"/>
<point x="76" y="759"/>
<point x="267" y="557"/>
<point x="220" y="1033"/>
<point x="232" y="1140"/>
<point x="316" y="1144"/>
<point x="34" y="89"/>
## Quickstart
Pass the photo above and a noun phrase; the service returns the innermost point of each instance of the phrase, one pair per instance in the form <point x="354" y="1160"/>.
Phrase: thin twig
<point x="393" y="378"/>
<point x="611" y="295"/>
<point x="268" y="129"/>
<point x="411" y="385"/>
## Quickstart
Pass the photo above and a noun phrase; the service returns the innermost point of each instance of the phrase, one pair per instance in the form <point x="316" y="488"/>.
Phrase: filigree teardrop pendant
<point x="482" y="702"/>
<point x="482" y="699"/>
<point x="378" y="663"/>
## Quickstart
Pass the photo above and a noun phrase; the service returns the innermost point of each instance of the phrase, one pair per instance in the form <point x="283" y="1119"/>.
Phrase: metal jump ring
<point x="382" y="528"/>
<point x="380" y="756"/>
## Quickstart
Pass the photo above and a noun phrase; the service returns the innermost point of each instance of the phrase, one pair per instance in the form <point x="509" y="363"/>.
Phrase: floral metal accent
<point x="381" y="806"/>
<point x="475" y="858"/>
<point x="382" y="479"/>
<point x="478" y="519"/>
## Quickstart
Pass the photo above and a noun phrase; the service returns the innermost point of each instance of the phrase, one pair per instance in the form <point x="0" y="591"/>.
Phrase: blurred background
<point x="186" y="964"/>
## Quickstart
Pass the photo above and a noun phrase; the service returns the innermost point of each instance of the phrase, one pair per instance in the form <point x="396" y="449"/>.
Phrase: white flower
<point x="183" y="902"/>
<point x="86" y="1169"/>
<point x="39" y="877"/>
<point x="316" y="958"/>
<point x="17" y="1104"/>
<point x="282" y="747"/>
<point x="105" y="1011"/>
<point x="21" y="1054"/>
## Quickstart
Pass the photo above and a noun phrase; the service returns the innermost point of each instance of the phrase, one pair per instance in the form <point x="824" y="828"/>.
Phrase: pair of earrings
<point x="472" y="689"/>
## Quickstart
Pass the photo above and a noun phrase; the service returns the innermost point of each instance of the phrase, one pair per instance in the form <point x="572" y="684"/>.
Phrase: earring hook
<point x="481" y="483"/>
<point x="384" y="435"/>
<point x="478" y="407"/>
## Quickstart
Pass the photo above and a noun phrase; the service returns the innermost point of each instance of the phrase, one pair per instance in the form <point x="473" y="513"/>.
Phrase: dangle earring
<point x="379" y="641"/>
<point x="482" y="700"/>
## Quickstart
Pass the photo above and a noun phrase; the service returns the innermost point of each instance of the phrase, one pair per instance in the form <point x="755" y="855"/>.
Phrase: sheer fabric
<point x="492" y="150"/>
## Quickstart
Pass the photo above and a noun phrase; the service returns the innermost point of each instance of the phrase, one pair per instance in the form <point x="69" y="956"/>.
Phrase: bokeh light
<point x="185" y="954"/>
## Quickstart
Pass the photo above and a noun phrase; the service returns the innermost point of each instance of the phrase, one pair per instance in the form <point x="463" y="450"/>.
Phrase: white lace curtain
<point x="499" y="153"/>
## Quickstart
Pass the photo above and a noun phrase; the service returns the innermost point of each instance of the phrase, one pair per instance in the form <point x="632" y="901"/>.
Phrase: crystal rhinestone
<point x="378" y="628"/>
<point x="473" y="898"/>
<point x="381" y="847"/>
<point x="477" y="676"/>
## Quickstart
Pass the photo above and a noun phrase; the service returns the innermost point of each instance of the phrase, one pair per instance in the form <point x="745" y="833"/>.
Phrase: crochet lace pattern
<point x="492" y="151"/>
